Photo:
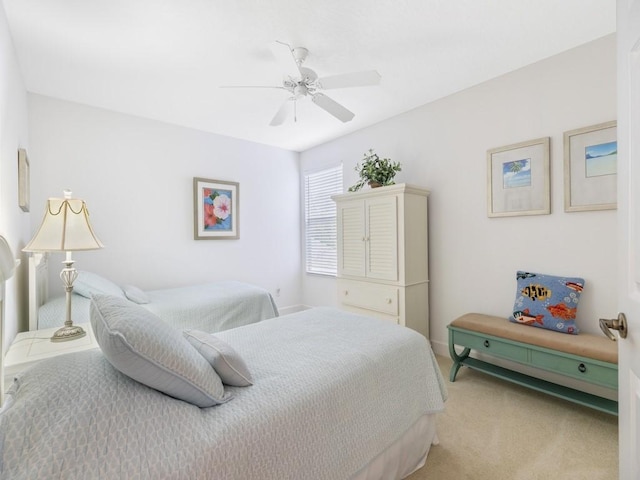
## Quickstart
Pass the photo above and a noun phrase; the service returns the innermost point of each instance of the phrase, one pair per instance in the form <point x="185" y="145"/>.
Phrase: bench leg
<point x="457" y="360"/>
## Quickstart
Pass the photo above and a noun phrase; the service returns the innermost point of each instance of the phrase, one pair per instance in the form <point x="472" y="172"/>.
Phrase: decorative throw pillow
<point x="222" y="357"/>
<point x="140" y="345"/>
<point x="88" y="284"/>
<point x="135" y="294"/>
<point x="547" y="301"/>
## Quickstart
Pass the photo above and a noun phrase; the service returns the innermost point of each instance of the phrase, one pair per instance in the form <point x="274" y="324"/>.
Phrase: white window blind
<point x="320" y="219"/>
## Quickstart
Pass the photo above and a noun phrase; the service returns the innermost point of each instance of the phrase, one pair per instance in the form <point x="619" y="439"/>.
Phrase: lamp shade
<point x="65" y="228"/>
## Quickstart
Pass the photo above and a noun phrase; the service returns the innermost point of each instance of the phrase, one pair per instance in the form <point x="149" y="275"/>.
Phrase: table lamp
<point x="65" y="228"/>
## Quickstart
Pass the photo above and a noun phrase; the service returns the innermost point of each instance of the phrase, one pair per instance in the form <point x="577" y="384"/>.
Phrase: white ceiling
<point x="165" y="59"/>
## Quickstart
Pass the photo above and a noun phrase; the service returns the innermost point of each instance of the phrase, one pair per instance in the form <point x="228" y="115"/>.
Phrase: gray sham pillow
<point x="223" y="358"/>
<point x="135" y="294"/>
<point x="140" y="345"/>
<point x="88" y="284"/>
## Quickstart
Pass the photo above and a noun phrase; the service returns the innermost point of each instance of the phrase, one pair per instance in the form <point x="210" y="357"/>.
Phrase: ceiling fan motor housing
<point x="300" y="54"/>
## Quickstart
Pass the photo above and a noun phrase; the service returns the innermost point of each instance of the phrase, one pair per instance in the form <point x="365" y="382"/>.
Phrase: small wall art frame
<point x="590" y="168"/>
<point x="518" y="179"/>
<point x="216" y="209"/>
<point x="23" y="180"/>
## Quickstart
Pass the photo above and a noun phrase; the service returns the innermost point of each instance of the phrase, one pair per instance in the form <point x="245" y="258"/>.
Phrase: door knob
<point x="620" y="324"/>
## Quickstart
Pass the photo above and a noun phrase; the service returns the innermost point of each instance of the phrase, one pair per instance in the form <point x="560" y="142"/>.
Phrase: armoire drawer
<point x="372" y="313"/>
<point x="381" y="298"/>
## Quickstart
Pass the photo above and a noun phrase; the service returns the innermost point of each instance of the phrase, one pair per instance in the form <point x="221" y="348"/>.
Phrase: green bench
<point x="589" y="358"/>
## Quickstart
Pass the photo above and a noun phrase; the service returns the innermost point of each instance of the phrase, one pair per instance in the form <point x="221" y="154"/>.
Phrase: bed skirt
<point x="404" y="456"/>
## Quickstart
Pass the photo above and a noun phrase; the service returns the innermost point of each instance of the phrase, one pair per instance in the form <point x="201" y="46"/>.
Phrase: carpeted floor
<point x="495" y="430"/>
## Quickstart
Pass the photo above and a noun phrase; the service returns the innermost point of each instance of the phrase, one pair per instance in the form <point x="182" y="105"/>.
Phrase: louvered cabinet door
<point x="382" y="238"/>
<point x="352" y="237"/>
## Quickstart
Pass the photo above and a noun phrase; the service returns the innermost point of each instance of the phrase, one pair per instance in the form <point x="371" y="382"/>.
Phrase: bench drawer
<point x="490" y="345"/>
<point x="582" y="368"/>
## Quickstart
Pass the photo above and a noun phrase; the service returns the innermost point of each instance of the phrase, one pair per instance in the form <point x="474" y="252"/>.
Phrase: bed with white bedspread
<point x="210" y="307"/>
<point x="335" y="396"/>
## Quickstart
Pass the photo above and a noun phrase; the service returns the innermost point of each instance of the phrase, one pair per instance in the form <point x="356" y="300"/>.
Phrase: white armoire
<point x="383" y="267"/>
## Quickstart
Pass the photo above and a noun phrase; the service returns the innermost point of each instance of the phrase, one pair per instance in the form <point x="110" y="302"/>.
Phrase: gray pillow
<point x="222" y="357"/>
<point x="88" y="284"/>
<point x="143" y="347"/>
<point x="135" y="294"/>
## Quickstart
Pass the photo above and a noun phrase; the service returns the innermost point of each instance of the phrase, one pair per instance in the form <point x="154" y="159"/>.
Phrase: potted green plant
<point x="375" y="171"/>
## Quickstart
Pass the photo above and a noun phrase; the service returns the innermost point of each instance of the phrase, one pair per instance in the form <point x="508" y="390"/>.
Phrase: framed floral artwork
<point x="216" y="207"/>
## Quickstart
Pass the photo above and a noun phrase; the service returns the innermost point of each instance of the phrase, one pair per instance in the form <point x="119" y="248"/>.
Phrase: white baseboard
<point x="440" y="348"/>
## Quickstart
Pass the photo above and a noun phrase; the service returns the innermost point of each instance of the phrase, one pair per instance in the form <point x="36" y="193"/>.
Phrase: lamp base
<point x="68" y="332"/>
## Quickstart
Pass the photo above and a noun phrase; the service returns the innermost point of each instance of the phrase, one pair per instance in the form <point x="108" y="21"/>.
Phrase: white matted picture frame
<point x="518" y="179"/>
<point x="216" y="209"/>
<point x="591" y="168"/>
<point x="23" y="180"/>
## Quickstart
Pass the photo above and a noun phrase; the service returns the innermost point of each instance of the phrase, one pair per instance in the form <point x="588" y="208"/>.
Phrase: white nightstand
<point x="29" y="348"/>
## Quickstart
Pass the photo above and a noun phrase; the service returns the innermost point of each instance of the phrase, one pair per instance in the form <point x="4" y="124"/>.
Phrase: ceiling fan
<point x="301" y="82"/>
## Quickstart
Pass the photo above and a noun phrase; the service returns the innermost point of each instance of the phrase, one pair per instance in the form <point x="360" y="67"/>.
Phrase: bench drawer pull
<point x="486" y="343"/>
<point x="582" y="368"/>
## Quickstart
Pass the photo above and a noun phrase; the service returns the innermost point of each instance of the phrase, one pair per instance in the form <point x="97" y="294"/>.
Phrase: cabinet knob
<point x="582" y="368"/>
<point x="389" y="300"/>
<point x="486" y="343"/>
<point x="346" y="292"/>
<point x="364" y="239"/>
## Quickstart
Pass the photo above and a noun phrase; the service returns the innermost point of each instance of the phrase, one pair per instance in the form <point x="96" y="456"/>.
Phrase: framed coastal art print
<point x="590" y="168"/>
<point x="216" y="207"/>
<point x="518" y="179"/>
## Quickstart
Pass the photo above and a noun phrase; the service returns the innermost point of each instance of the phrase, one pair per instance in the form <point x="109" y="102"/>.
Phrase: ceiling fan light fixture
<point x="301" y="90"/>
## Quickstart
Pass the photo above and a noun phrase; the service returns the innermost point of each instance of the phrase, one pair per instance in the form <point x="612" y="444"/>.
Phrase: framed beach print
<point x="23" y="180"/>
<point x="518" y="179"/>
<point x="216" y="207"/>
<point x="591" y="168"/>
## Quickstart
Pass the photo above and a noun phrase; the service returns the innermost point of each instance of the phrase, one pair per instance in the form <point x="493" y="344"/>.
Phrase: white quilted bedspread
<point x="210" y="307"/>
<point x="331" y="391"/>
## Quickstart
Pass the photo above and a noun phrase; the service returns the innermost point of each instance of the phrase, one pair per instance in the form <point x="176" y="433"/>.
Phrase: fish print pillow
<point x="546" y="301"/>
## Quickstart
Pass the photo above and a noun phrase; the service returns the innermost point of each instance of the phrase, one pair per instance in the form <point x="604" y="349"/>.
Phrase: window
<point x="320" y="219"/>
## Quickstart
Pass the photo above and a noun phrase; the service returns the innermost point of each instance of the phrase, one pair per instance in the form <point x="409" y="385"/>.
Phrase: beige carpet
<point x="496" y="430"/>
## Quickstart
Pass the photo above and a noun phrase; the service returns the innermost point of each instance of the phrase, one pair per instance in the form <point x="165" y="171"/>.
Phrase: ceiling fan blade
<point x="253" y="86"/>
<point x="281" y="114"/>
<point x="333" y="107"/>
<point x="285" y="59"/>
<point x="355" y="79"/>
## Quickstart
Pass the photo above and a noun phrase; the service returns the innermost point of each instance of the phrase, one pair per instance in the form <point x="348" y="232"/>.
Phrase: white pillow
<point x="88" y="284"/>
<point x="222" y="357"/>
<point x="143" y="347"/>
<point x="135" y="294"/>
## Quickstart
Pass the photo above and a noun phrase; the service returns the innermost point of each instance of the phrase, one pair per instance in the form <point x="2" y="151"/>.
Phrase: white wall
<point x="442" y="146"/>
<point x="14" y="223"/>
<point x="136" y="177"/>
